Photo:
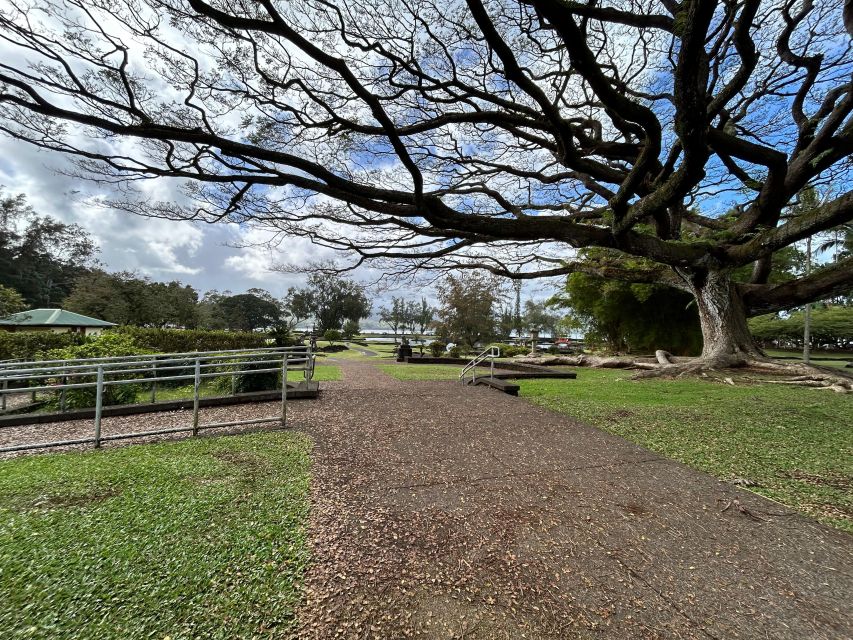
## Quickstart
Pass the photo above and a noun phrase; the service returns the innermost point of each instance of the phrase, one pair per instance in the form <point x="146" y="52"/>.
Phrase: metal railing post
<point x="5" y="388"/>
<point x="284" y="391"/>
<point x="154" y="382"/>
<point x="196" y="383"/>
<point x="99" y="405"/>
<point x="62" y="391"/>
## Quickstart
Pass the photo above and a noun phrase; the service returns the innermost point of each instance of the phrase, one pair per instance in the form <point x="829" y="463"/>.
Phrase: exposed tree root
<point x="664" y="365"/>
<point x="734" y="502"/>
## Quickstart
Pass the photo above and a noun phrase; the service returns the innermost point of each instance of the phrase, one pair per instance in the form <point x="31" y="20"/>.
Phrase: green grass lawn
<point x="427" y="371"/>
<point x="350" y="354"/>
<point x="836" y="357"/>
<point x="385" y="350"/>
<point x="202" y="538"/>
<point x="796" y="443"/>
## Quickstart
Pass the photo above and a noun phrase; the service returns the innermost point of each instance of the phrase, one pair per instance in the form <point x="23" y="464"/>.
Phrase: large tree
<point x="500" y="134"/>
<point x="255" y="309"/>
<point x="467" y="311"/>
<point x="128" y="298"/>
<point x="331" y="300"/>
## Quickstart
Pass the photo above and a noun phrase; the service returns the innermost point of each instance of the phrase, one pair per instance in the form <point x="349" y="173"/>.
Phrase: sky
<point x="221" y="256"/>
<point x="197" y="254"/>
<point x="206" y="256"/>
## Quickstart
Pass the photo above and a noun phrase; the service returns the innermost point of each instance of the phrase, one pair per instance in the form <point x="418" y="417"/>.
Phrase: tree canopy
<point x="330" y="301"/>
<point x="498" y="134"/>
<point x="10" y="301"/>
<point x="41" y="257"/>
<point x="128" y="298"/>
<point x="468" y="305"/>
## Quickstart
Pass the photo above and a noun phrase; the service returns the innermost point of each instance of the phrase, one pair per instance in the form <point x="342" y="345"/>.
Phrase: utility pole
<point x="517" y="319"/>
<point x="807" y="318"/>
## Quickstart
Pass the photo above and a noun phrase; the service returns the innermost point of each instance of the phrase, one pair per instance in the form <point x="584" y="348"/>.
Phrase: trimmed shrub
<point x="456" y="351"/>
<point x="246" y="382"/>
<point x="187" y="340"/>
<point x="351" y="329"/>
<point x="107" y="345"/>
<point x="333" y="348"/>
<point x="29" y="345"/>
<point x="282" y="337"/>
<point x="437" y="348"/>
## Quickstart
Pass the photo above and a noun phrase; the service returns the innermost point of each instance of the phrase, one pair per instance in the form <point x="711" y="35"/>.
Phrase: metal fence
<point x="57" y="377"/>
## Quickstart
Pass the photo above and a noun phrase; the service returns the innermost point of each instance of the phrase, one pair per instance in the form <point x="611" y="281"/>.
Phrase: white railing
<point x="59" y="376"/>
<point x="489" y="354"/>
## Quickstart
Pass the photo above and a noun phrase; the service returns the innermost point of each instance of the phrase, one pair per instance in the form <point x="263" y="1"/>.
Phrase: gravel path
<point x="442" y="511"/>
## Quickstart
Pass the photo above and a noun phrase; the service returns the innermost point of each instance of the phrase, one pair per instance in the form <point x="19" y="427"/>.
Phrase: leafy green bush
<point x="511" y="350"/>
<point x="282" y="337"/>
<point x="187" y="340"/>
<point x="456" y="351"/>
<point x="437" y="348"/>
<point x="332" y="336"/>
<point x="107" y="345"/>
<point x="28" y="345"/>
<point x="243" y="381"/>
<point x="351" y="329"/>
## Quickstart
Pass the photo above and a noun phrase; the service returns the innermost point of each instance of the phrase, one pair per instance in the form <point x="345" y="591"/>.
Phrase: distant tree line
<point x="46" y="263"/>
<point x="407" y="316"/>
<point x="475" y="307"/>
<point x="41" y="258"/>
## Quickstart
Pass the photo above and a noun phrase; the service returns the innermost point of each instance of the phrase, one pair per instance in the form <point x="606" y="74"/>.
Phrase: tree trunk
<point x="727" y="341"/>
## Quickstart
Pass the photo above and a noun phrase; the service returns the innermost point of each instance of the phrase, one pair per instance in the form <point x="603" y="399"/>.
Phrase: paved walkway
<point x="442" y="511"/>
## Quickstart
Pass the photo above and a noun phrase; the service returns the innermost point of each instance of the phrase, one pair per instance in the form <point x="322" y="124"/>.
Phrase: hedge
<point x="32" y="345"/>
<point x="28" y="345"/>
<point x="187" y="340"/>
<point x="108" y="345"/>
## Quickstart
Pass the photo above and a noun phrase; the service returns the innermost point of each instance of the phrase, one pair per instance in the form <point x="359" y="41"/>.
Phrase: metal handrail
<point x="491" y="353"/>
<point x="39" y="365"/>
<point x="304" y="357"/>
<point x="142" y="366"/>
<point x="271" y="360"/>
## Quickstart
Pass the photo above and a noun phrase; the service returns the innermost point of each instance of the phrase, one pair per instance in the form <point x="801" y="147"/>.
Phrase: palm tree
<point x="840" y="242"/>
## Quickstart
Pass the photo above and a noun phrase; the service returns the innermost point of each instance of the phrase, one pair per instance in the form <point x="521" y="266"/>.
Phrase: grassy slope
<point x="200" y="538"/>
<point x="797" y="443"/>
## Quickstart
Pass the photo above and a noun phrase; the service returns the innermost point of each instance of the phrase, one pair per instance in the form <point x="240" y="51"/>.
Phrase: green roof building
<point x="56" y="320"/>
